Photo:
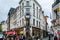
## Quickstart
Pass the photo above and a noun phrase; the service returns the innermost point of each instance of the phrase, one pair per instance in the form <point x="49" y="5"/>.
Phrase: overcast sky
<point x="5" y="5"/>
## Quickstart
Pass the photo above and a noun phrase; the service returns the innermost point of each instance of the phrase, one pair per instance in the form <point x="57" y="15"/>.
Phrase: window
<point x="34" y="22"/>
<point x="39" y="15"/>
<point x="37" y="23"/>
<point x="33" y="6"/>
<point x="33" y="9"/>
<point x="37" y="12"/>
<point x="27" y="10"/>
<point x="22" y="4"/>
<point x="20" y="22"/>
<point x="27" y="3"/>
<point x="33" y="12"/>
<point x="20" y="11"/>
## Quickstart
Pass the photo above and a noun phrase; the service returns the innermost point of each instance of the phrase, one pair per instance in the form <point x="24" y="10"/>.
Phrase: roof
<point x="37" y="3"/>
<point x="11" y="12"/>
<point x="33" y="0"/>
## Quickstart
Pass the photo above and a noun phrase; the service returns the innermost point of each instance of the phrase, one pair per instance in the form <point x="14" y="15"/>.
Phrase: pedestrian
<point x="14" y="36"/>
<point x="49" y="37"/>
<point x="37" y="37"/>
<point x="18" y="37"/>
<point x="21" y="37"/>
<point x="33" y="37"/>
<point x="41" y="37"/>
<point x="55" y="38"/>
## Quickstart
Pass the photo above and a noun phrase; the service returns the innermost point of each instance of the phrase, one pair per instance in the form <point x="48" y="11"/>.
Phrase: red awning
<point x="11" y="32"/>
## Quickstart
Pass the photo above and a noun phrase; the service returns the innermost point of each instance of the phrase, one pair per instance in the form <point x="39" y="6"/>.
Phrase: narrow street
<point x="52" y="38"/>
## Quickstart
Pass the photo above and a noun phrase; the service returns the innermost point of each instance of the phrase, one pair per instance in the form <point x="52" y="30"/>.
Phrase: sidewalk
<point x="47" y="38"/>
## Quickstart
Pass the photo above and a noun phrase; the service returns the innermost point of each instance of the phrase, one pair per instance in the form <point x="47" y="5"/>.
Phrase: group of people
<point x="55" y="38"/>
<point x="20" y="37"/>
<point x="15" y="37"/>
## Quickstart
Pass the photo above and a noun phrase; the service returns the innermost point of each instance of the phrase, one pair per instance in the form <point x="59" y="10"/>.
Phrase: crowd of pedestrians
<point x="20" y="37"/>
<point x="23" y="37"/>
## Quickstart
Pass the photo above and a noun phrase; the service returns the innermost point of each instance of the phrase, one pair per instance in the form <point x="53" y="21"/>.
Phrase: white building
<point x="56" y="17"/>
<point x="27" y="18"/>
<point x="4" y="25"/>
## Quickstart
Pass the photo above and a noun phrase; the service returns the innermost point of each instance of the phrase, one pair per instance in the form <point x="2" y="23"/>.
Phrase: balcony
<point x="55" y="3"/>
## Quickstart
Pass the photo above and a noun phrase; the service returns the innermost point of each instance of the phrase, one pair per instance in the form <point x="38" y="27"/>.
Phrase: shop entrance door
<point x="27" y="34"/>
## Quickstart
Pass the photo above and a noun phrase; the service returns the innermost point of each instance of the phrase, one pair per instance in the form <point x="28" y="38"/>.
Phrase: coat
<point x="55" y="38"/>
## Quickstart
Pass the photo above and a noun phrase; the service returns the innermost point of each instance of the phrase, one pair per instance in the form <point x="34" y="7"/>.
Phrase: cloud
<point x="46" y="6"/>
<point x="5" y="5"/>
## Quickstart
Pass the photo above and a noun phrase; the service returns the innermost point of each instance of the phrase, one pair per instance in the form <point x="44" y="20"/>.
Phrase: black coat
<point x="55" y="38"/>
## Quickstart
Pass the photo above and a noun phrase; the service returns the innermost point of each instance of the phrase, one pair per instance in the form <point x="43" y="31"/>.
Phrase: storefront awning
<point x="11" y="32"/>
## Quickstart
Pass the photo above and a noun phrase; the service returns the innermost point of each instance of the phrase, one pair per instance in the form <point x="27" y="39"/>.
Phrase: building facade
<point x="28" y="19"/>
<point x="4" y="26"/>
<point x="10" y="19"/>
<point x="56" y="17"/>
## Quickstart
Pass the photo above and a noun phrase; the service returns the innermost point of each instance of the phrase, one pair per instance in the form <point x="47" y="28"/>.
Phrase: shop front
<point x="19" y="31"/>
<point x="10" y="35"/>
<point x="45" y="33"/>
<point x="36" y="32"/>
<point x="24" y="31"/>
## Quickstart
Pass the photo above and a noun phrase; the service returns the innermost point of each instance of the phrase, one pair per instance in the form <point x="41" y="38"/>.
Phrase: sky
<point x="5" y="5"/>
